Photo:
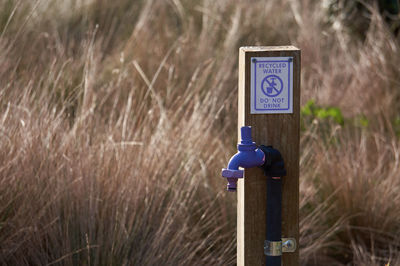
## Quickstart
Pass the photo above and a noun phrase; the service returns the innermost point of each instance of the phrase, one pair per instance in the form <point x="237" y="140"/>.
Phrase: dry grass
<point x="115" y="118"/>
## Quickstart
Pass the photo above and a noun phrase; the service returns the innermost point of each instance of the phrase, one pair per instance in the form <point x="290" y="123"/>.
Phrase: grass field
<point x="116" y="118"/>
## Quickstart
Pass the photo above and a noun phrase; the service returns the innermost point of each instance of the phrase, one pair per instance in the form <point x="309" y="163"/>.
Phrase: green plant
<point x="311" y="110"/>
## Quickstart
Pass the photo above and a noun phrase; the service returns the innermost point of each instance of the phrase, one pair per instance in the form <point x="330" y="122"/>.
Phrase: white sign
<point x="271" y="85"/>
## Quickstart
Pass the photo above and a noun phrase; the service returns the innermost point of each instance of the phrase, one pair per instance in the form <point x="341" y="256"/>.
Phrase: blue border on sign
<point x="255" y="84"/>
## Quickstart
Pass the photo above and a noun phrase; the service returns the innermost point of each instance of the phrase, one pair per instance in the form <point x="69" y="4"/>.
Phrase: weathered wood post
<point x="269" y="101"/>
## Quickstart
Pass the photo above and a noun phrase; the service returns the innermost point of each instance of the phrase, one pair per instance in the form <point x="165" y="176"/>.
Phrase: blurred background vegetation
<point x="117" y="116"/>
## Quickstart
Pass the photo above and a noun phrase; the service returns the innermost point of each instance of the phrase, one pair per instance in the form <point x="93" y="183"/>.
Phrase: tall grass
<point x="117" y="116"/>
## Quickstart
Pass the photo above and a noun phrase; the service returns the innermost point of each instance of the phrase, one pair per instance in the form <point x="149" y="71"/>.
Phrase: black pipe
<point x="274" y="169"/>
<point x="274" y="216"/>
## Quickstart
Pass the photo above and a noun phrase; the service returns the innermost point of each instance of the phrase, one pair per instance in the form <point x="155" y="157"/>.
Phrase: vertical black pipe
<point x="274" y="169"/>
<point x="274" y="216"/>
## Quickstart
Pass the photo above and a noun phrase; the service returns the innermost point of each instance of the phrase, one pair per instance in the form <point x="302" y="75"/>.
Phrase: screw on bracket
<point x="289" y="245"/>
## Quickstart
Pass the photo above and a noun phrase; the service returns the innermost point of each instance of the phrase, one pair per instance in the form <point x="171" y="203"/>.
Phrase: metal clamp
<point x="276" y="248"/>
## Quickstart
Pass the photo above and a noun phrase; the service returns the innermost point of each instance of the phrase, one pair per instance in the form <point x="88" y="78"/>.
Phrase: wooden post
<point x="281" y="130"/>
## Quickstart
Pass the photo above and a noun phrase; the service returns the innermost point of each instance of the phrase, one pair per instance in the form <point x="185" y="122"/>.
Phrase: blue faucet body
<point x="248" y="156"/>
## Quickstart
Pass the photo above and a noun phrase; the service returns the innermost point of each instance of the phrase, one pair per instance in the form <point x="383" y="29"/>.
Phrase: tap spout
<point x="248" y="156"/>
<point x="247" y="159"/>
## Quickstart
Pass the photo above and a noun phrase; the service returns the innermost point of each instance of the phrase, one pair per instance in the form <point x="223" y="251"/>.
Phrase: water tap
<point x="248" y="156"/>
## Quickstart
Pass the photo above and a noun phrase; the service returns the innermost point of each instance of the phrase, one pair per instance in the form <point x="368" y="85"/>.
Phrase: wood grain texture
<point x="282" y="131"/>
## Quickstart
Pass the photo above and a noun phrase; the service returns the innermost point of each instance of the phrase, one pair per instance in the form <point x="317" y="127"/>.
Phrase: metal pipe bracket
<point x="276" y="248"/>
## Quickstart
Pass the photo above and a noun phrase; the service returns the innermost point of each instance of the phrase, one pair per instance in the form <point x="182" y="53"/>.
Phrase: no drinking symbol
<point x="272" y="85"/>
